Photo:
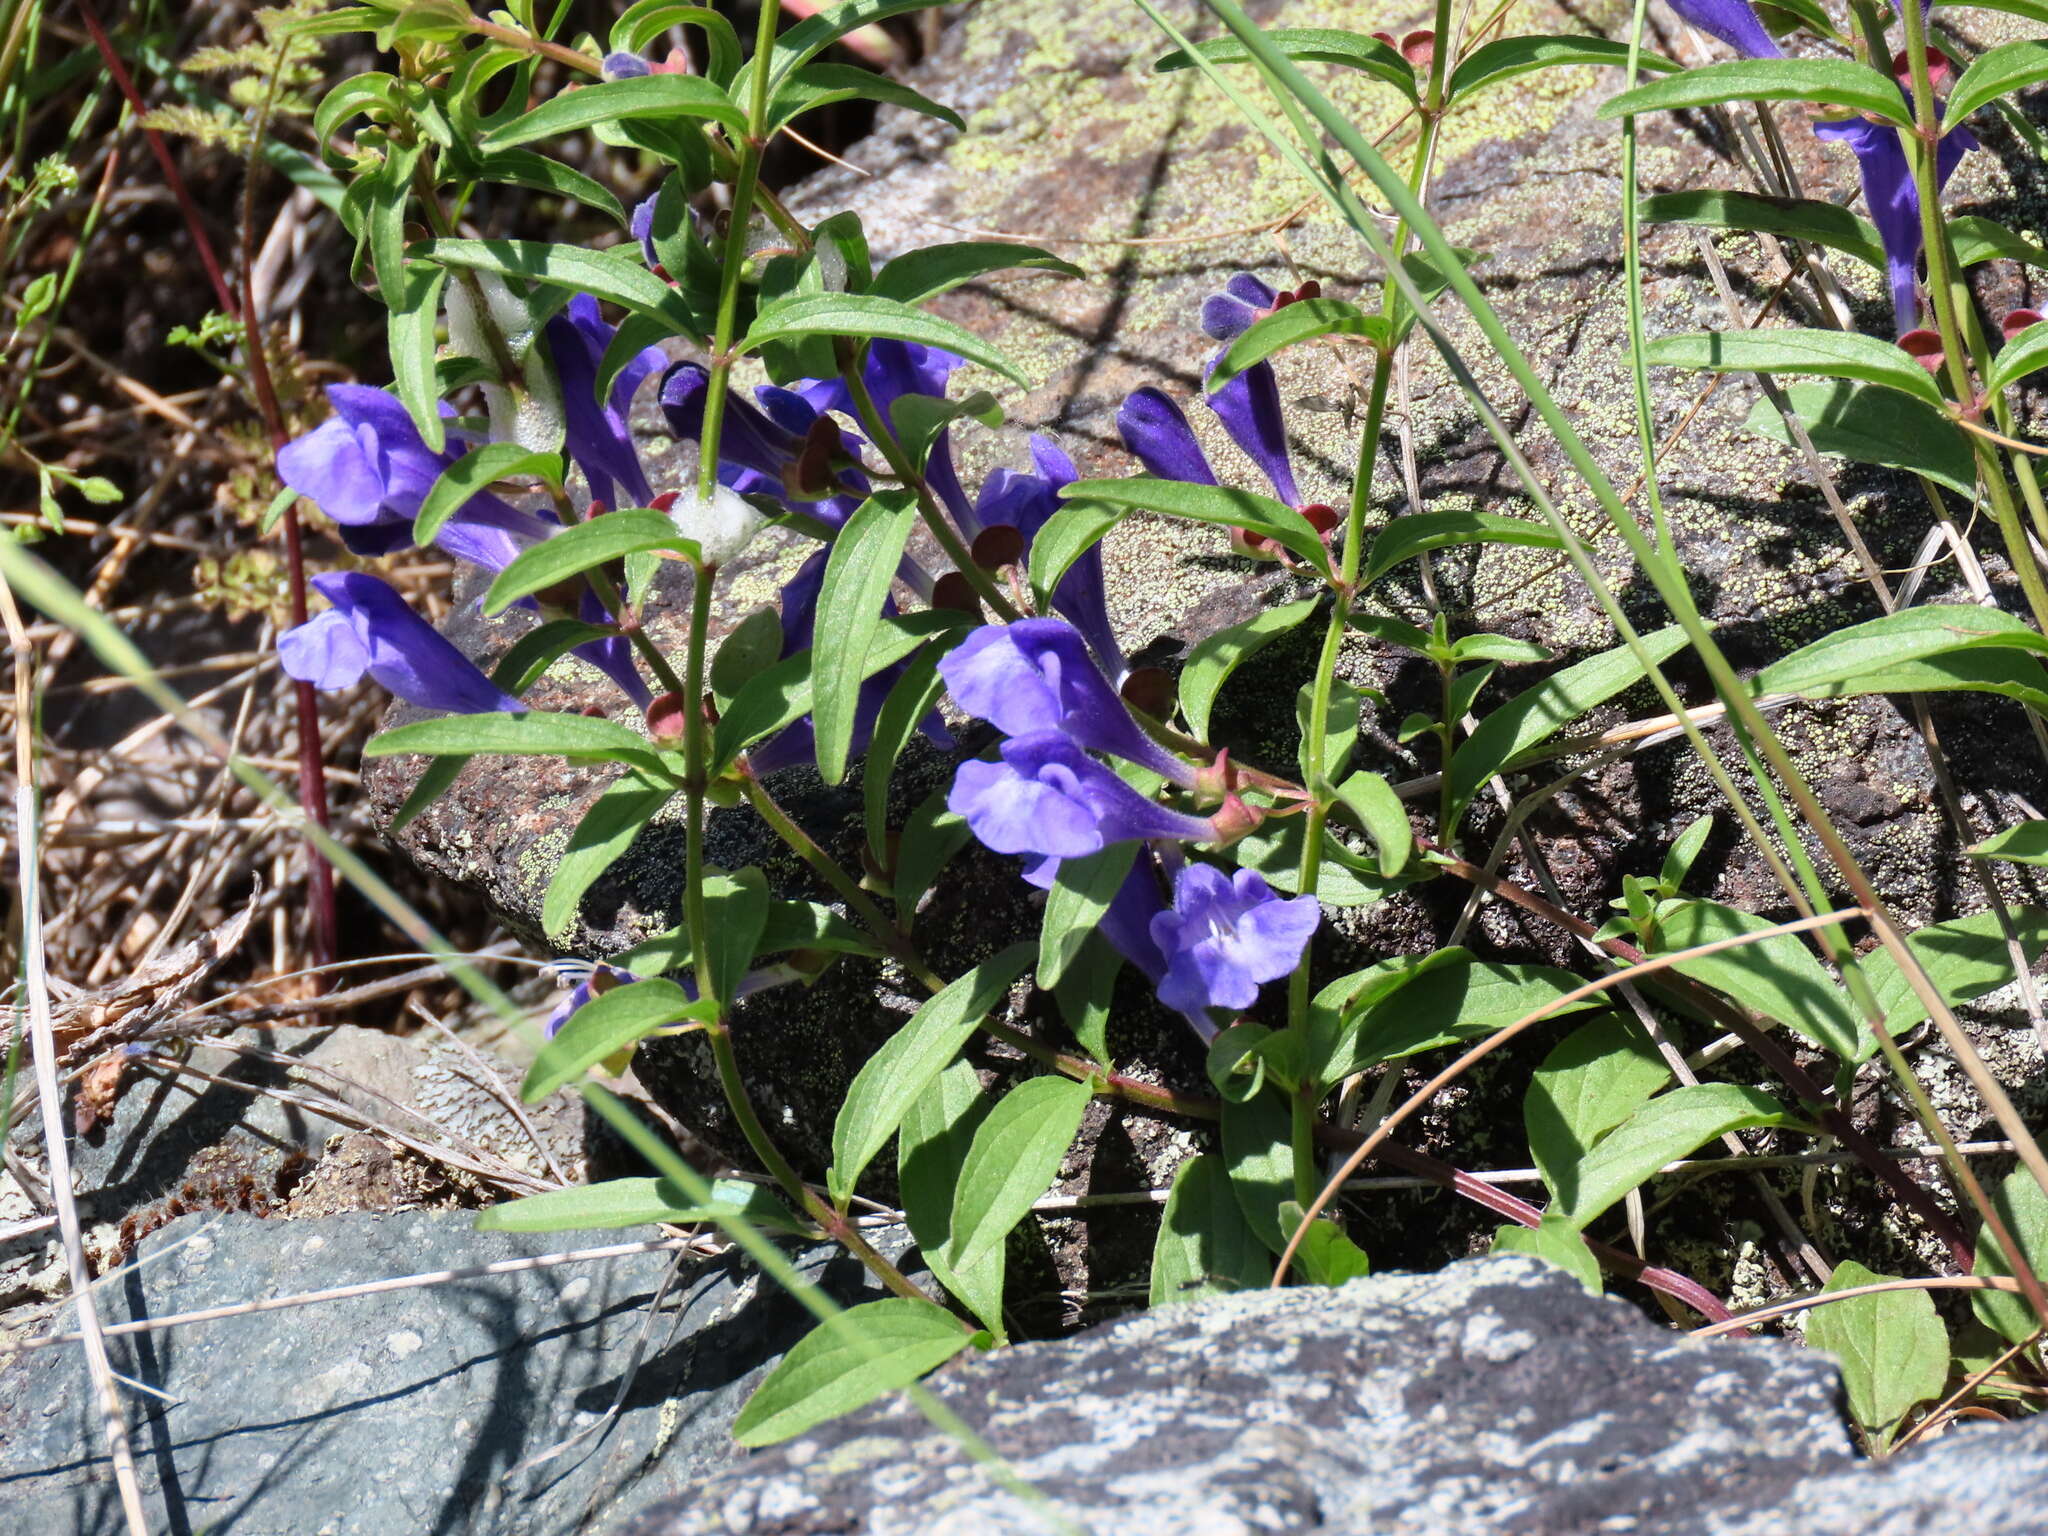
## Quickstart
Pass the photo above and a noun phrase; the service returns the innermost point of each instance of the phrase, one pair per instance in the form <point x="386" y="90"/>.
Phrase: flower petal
<point x="1158" y="435"/>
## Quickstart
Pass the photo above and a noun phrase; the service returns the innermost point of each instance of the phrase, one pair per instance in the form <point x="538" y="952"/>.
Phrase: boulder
<point x="1491" y="1399"/>
<point x="414" y="1410"/>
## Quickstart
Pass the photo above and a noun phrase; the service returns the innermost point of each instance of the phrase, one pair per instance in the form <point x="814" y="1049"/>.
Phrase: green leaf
<point x="1063" y="539"/>
<point x="2000" y="72"/>
<point x="1669" y="1127"/>
<point x="410" y="335"/>
<point x="749" y="648"/>
<point x="1536" y="714"/>
<point x="604" y="1026"/>
<point x="1448" y="998"/>
<point x="1205" y="1247"/>
<point x="867" y="316"/>
<point x="846" y="1363"/>
<point x="606" y="831"/>
<point x="1075" y="904"/>
<point x="1593" y="1080"/>
<point x="857" y="575"/>
<point x="1258" y="1151"/>
<point x="533" y="733"/>
<point x="1792" y="218"/>
<point x="930" y="838"/>
<point x="1339" y="727"/>
<point x="1837" y="82"/>
<point x="1216" y="656"/>
<point x="1084" y="993"/>
<point x="1408" y="536"/>
<point x="1855" y="659"/>
<point x="791" y="925"/>
<point x="1382" y="815"/>
<point x="1892" y="1347"/>
<point x="1326" y="1256"/>
<point x="926" y="273"/>
<point x="919" y="419"/>
<point x="389" y="191"/>
<point x="1310" y="45"/>
<point x="1555" y="1241"/>
<point x="645" y="20"/>
<point x="938" y="1131"/>
<point x="782" y="693"/>
<point x="1347" y="879"/>
<point x="737" y="917"/>
<point x="524" y="168"/>
<point x="2026" y="353"/>
<point x="1777" y="977"/>
<point x="818" y="31"/>
<point x="911" y="700"/>
<point x="1210" y="504"/>
<point x="2024" y="1209"/>
<point x="824" y="85"/>
<point x="1964" y="958"/>
<point x="1014" y="1159"/>
<point x="1869" y="424"/>
<point x="892" y="1079"/>
<point x="637" y="1203"/>
<point x="2026" y="843"/>
<point x="1303" y="320"/>
<point x="1685" y="848"/>
<point x="473" y="473"/>
<point x="582" y="546"/>
<point x="664" y="97"/>
<point x="1832" y="354"/>
<point x="608" y="274"/>
<point x="1978" y="240"/>
<point x="1506" y="57"/>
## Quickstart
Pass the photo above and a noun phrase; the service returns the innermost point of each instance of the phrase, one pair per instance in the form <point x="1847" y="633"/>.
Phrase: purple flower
<point x="1034" y="676"/>
<point x="368" y="468"/>
<point x="371" y="630"/>
<point x="1894" y="202"/>
<point x="1154" y="429"/>
<point x="1226" y="935"/>
<point x="759" y="446"/>
<point x="1733" y="22"/>
<point x="1025" y="502"/>
<point x="591" y="979"/>
<point x="597" y="437"/>
<point x="1048" y="797"/>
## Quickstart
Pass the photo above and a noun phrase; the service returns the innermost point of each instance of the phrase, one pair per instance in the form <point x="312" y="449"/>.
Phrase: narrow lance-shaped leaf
<point x="582" y="547"/>
<point x="865" y="315"/>
<point x="1205" y="1247"/>
<point x="891" y="1080"/>
<point x="1832" y="354"/>
<point x="1063" y="539"/>
<point x="1506" y="57"/>
<point x="602" y="274"/>
<point x="926" y="273"/>
<point x="1015" y="1156"/>
<point x="736" y="916"/>
<point x="606" y="1025"/>
<point x="1998" y="72"/>
<point x="606" y="831"/>
<point x="1311" y="45"/>
<point x="1777" y="977"/>
<point x="664" y="97"/>
<point x="1669" y="1127"/>
<point x="476" y="470"/>
<point x="1408" y="536"/>
<point x="1911" y="634"/>
<point x="845" y="1363"/>
<point x="1075" y="905"/>
<point x="1869" y="424"/>
<point x="636" y="1203"/>
<point x="857" y="575"/>
<point x="1216" y="656"/>
<point x="1227" y="505"/>
<point x="1303" y="320"/>
<point x="1795" y="218"/>
<point x="535" y="733"/>
<point x="1837" y="82"/>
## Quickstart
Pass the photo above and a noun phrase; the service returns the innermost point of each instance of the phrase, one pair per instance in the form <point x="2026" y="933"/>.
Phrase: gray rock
<point x="405" y="1412"/>
<point x="1492" y="1398"/>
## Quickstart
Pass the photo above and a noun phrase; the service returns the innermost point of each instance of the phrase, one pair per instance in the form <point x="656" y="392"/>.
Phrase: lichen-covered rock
<point x="1153" y="185"/>
<point x="1491" y="1399"/>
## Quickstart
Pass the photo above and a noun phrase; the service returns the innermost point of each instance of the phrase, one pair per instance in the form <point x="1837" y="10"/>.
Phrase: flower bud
<point x="956" y="592"/>
<point x="996" y="546"/>
<point x="1925" y="348"/>
<point x="667" y="718"/>
<point x="1235" y="820"/>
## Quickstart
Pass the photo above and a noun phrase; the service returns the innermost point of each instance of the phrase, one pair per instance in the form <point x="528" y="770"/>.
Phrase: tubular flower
<point x="1894" y="202"/>
<point x="1733" y="22"/>
<point x="1035" y="676"/>
<point x="1227" y="934"/>
<point x="368" y="468"/>
<point x="1025" y="502"/>
<point x="597" y="436"/>
<point x="371" y="630"/>
<point x="1049" y="798"/>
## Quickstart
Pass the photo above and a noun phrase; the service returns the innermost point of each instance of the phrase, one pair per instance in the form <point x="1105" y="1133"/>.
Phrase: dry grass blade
<point x="43" y="1051"/>
<point x="1743" y="1320"/>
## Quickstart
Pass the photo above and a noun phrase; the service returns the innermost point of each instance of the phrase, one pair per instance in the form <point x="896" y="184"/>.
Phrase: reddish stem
<point x="312" y="769"/>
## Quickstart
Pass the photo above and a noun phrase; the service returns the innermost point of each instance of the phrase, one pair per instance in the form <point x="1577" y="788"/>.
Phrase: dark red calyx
<point x="1149" y="689"/>
<point x="997" y="546"/>
<point x="667" y="717"/>
<point x="956" y="592"/>
<point x="1925" y="348"/>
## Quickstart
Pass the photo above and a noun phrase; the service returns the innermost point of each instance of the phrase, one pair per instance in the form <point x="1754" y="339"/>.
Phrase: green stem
<point x="806" y="848"/>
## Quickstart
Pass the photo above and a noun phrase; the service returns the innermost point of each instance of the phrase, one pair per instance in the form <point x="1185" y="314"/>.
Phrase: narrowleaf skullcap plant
<point x="520" y="448"/>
